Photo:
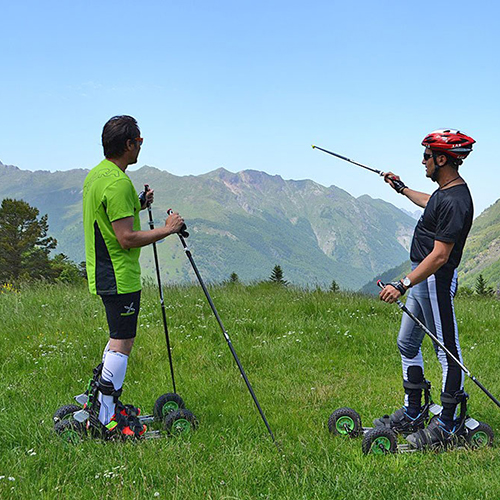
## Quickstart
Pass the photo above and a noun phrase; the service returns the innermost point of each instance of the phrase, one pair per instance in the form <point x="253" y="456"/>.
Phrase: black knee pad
<point x="415" y="374"/>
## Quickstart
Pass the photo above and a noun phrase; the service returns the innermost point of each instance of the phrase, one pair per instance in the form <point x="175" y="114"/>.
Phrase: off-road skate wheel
<point x="166" y="404"/>
<point x="180" y="422"/>
<point x="480" y="437"/>
<point x="346" y="422"/>
<point x="380" y="441"/>
<point x="65" y="413"/>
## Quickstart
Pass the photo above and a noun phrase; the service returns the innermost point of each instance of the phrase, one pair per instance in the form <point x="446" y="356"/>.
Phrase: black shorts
<point x="122" y="311"/>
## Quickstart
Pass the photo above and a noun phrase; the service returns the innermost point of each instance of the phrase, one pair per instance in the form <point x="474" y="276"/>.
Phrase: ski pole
<point x="224" y="332"/>
<point x="162" y="301"/>
<point x="379" y="172"/>
<point x="440" y="344"/>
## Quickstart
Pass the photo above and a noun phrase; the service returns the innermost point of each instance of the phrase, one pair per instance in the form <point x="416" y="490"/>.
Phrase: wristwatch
<point x="406" y="282"/>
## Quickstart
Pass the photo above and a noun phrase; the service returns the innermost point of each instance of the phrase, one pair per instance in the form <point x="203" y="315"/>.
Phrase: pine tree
<point x="334" y="287"/>
<point x="277" y="276"/>
<point x="234" y="278"/>
<point x="481" y="287"/>
<point x="24" y="244"/>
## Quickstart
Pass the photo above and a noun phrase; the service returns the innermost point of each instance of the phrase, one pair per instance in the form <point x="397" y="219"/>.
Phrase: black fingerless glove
<point x="398" y="185"/>
<point x="398" y="286"/>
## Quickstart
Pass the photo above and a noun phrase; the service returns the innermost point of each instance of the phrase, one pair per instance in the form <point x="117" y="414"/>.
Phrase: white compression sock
<point x="114" y="369"/>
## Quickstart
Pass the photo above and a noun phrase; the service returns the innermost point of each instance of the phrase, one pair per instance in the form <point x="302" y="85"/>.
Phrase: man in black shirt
<point x="436" y="250"/>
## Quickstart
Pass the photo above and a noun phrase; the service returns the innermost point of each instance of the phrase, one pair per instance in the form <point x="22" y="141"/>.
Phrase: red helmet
<point x="451" y="142"/>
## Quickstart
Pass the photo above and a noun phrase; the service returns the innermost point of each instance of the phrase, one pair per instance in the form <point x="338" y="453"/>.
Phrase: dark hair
<point x="453" y="162"/>
<point x="115" y="134"/>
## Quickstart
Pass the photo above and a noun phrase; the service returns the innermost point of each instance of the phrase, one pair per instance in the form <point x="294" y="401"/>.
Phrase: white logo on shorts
<point x="129" y="310"/>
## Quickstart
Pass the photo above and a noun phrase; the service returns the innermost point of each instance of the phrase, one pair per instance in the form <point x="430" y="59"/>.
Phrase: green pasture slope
<point x="305" y="352"/>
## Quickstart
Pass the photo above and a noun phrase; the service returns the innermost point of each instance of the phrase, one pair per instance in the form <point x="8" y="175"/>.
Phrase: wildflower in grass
<point x="8" y="288"/>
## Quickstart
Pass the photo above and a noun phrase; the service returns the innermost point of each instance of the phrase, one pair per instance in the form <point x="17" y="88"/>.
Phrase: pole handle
<point x="183" y="232"/>
<point x="142" y="197"/>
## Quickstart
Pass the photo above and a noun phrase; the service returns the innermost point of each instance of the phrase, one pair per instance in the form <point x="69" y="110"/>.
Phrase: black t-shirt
<point x="448" y="218"/>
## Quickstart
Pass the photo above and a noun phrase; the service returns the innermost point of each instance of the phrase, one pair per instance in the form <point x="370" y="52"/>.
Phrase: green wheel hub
<point x="480" y="439"/>
<point x="345" y="425"/>
<point x="381" y="446"/>
<point x="181" y="426"/>
<point x="169" y="407"/>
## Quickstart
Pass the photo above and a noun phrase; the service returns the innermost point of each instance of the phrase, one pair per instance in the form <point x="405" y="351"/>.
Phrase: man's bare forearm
<point x="420" y="199"/>
<point x="128" y="238"/>
<point x="137" y="239"/>
<point x="427" y="268"/>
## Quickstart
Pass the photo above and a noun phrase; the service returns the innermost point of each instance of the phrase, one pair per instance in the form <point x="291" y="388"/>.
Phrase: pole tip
<point x="313" y="146"/>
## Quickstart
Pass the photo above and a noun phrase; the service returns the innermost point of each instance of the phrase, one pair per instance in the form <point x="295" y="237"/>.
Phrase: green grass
<point x="306" y="353"/>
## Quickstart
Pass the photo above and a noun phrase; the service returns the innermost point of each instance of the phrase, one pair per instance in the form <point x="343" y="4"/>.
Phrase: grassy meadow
<point x="306" y="353"/>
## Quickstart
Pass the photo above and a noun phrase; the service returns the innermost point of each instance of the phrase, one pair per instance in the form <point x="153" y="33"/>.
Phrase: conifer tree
<point x="482" y="288"/>
<point x="277" y="276"/>
<point x="334" y="287"/>
<point x="24" y="244"/>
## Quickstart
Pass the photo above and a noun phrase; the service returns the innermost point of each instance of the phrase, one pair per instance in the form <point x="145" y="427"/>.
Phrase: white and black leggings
<point x="432" y="302"/>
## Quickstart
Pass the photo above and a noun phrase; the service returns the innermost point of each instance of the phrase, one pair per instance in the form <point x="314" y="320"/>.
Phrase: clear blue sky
<point x="252" y="84"/>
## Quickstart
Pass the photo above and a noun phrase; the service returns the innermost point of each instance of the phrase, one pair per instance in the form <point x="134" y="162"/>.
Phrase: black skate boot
<point x="402" y="421"/>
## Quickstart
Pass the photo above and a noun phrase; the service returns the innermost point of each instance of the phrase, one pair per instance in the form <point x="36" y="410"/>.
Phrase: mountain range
<point x="245" y="222"/>
<point x="482" y="251"/>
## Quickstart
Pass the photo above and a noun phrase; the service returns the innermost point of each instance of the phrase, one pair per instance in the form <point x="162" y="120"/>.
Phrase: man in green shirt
<point x="113" y="238"/>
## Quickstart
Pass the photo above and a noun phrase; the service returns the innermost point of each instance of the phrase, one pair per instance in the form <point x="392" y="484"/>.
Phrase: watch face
<point x="406" y="281"/>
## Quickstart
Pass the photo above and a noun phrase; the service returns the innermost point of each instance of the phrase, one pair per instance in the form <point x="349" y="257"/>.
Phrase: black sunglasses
<point x="427" y="156"/>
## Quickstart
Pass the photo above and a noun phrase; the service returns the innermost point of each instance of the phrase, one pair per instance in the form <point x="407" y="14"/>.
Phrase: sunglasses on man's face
<point x="139" y="140"/>
<point x="427" y="156"/>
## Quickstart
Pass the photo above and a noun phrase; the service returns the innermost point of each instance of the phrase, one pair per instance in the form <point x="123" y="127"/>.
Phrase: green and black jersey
<point x="109" y="195"/>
